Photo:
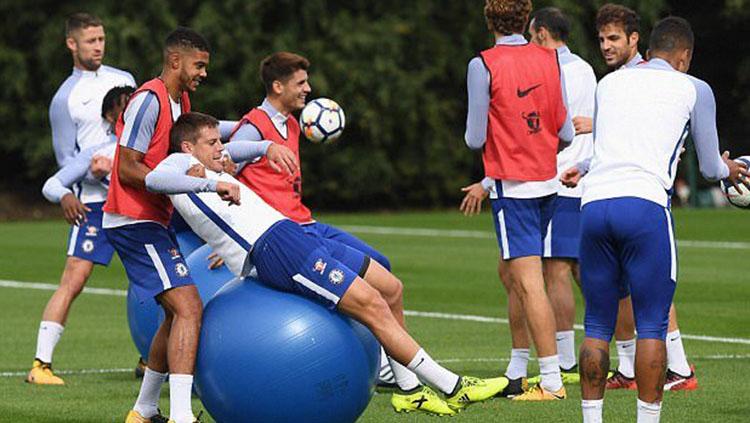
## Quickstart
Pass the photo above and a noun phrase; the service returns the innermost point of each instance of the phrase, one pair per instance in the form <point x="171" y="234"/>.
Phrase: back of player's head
<point x="506" y="17"/>
<point x="113" y="96"/>
<point x="619" y="15"/>
<point x="188" y="127"/>
<point x="281" y="66"/>
<point x="186" y="38"/>
<point x="80" y="20"/>
<point x="670" y="35"/>
<point x="554" y="20"/>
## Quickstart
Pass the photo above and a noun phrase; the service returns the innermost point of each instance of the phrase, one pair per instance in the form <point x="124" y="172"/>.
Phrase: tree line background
<point x="397" y="67"/>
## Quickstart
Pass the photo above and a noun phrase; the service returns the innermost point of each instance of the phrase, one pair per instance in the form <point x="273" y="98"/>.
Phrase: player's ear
<point x="173" y="59"/>
<point x="648" y="54"/>
<point x="277" y="87"/>
<point x="70" y="42"/>
<point x="187" y="147"/>
<point x="634" y="38"/>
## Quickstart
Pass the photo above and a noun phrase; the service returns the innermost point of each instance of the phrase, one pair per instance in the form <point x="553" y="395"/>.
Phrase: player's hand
<point x="228" y="192"/>
<point x="100" y="166"/>
<point x="197" y="171"/>
<point x="571" y="177"/>
<point x="73" y="210"/>
<point x="472" y="202"/>
<point x="583" y="125"/>
<point x="230" y="166"/>
<point x="738" y="172"/>
<point x="281" y="159"/>
<point x="215" y="261"/>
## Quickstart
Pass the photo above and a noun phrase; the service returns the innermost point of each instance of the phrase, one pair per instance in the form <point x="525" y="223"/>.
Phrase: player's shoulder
<point x="120" y="74"/>
<point x="63" y="91"/>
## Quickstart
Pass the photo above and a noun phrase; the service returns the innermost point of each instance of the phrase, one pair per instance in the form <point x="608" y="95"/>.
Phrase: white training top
<point x="75" y="112"/>
<point x="580" y="86"/>
<point x="641" y="120"/>
<point x="230" y="230"/>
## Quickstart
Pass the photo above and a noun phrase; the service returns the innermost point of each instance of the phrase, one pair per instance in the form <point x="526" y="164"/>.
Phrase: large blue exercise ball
<point x="144" y="317"/>
<point x="271" y="356"/>
<point x="188" y="242"/>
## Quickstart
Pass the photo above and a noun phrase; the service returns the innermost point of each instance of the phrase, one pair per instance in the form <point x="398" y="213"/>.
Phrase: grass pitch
<point x="448" y="268"/>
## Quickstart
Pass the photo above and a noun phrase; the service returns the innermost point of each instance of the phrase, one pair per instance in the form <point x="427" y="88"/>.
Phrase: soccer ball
<point x="738" y="199"/>
<point x="322" y="120"/>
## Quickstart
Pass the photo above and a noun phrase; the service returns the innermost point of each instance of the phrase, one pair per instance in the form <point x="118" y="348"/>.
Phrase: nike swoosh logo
<point x="524" y="93"/>
<point x="560" y="397"/>
<point x="674" y="339"/>
<point x="86" y="102"/>
<point x="418" y="364"/>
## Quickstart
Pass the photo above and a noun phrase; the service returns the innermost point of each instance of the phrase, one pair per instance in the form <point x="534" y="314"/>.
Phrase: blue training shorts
<point x="627" y="242"/>
<point x="87" y="241"/>
<point x="521" y="224"/>
<point x="563" y="235"/>
<point x="151" y="257"/>
<point x="336" y="234"/>
<point x="289" y="259"/>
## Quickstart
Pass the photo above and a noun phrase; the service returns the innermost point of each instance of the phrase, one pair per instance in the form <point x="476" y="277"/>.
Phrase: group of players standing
<point x="614" y="233"/>
<point x="550" y="93"/>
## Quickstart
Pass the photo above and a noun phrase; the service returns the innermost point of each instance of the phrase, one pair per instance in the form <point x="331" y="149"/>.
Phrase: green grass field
<point x="447" y="272"/>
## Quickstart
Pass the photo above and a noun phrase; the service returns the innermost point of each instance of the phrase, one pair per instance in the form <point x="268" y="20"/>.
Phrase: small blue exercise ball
<point x="144" y="317"/>
<point x="271" y="356"/>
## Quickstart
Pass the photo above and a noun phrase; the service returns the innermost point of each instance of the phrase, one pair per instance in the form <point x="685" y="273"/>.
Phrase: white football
<point x="322" y="120"/>
<point x="739" y="199"/>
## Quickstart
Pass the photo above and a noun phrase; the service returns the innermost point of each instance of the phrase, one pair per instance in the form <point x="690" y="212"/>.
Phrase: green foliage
<point x="397" y="67"/>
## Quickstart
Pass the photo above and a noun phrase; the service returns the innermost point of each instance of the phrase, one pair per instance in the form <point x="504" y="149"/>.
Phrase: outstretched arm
<point x="170" y="177"/>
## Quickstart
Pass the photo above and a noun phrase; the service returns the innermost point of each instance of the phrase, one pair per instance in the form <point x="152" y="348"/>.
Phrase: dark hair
<point x="618" y="14"/>
<point x="81" y="20"/>
<point x="554" y="20"/>
<point x="187" y="128"/>
<point x="112" y="98"/>
<point x="183" y="37"/>
<point x="507" y="16"/>
<point x="281" y="66"/>
<point x="671" y="33"/>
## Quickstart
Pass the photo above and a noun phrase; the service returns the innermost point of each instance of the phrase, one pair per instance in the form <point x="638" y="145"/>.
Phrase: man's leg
<point x="517" y="369"/>
<point x="147" y="404"/>
<point x="624" y="376"/>
<point x="680" y="374"/>
<point x="528" y="284"/>
<point x="74" y="277"/>
<point x="186" y="307"/>
<point x="557" y="276"/>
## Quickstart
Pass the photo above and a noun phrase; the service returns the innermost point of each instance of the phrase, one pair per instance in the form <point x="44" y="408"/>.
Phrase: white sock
<point x="147" y="404"/>
<point x="592" y="410"/>
<point x="648" y="412"/>
<point x="626" y="355"/>
<point x="46" y="340"/>
<point x="549" y="370"/>
<point x="566" y="348"/>
<point x="386" y="372"/>
<point x="180" y="391"/>
<point x="519" y="360"/>
<point x="405" y="378"/>
<point x="676" y="359"/>
<point x="432" y="373"/>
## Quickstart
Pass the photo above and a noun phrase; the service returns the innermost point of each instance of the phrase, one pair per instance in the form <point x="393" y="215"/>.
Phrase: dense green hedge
<point x="397" y="67"/>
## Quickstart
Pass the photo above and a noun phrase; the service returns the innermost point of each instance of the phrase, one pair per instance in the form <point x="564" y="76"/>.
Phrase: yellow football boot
<point x="537" y="393"/>
<point x="474" y="389"/>
<point x="41" y="374"/>
<point x="425" y="400"/>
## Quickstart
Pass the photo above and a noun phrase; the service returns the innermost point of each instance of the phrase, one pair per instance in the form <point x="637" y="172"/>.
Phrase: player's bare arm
<point x="132" y="171"/>
<point x="583" y="125"/>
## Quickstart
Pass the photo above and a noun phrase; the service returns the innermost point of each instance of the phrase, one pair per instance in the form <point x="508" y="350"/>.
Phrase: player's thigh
<point x="333" y="233"/>
<point x="290" y="260"/>
<point x="521" y="225"/>
<point x="600" y="271"/>
<point x="563" y="235"/>
<point x="88" y="241"/>
<point x="650" y="268"/>
<point x="151" y="258"/>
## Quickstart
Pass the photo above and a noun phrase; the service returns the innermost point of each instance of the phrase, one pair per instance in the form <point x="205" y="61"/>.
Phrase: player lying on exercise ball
<point x="249" y="234"/>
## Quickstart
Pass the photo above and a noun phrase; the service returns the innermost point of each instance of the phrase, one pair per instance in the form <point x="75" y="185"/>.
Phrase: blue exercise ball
<point x="188" y="242"/>
<point x="271" y="356"/>
<point x="144" y="317"/>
